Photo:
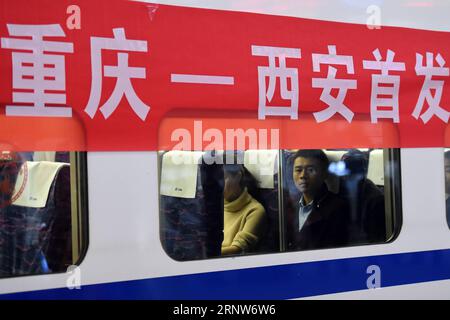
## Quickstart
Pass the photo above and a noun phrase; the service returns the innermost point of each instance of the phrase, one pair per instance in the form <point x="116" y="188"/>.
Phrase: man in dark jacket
<point x="365" y="199"/>
<point x="320" y="219"/>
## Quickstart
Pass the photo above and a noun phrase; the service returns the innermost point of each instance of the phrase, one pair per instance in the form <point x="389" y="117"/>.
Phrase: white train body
<point x="126" y="260"/>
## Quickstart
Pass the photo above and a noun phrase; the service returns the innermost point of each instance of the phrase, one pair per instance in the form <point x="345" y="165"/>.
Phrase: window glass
<point x="337" y="198"/>
<point x="216" y="204"/>
<point x="42" y="212"/>
<point x="447" y="184"/>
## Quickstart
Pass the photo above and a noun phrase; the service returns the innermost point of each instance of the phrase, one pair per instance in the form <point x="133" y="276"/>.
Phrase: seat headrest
<point x="179" y="173"/>
<point x="33" y="183"/>
<point x="262" y="164"/>
<point x="376" y="167"/>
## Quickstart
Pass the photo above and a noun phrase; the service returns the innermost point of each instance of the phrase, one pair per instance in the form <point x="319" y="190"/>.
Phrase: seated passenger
<point x="366" y="200"/>
<point x="447" y="185"/>
<point x="244" y="217"/>
<point x="320" y="218"/>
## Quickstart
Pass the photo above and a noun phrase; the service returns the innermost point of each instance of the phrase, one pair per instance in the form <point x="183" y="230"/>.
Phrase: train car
<point x="151" y="224"/>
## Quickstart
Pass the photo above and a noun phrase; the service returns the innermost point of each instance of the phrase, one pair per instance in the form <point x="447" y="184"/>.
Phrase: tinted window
<point x="276" y="200"/>
<point x="41" y="212"/>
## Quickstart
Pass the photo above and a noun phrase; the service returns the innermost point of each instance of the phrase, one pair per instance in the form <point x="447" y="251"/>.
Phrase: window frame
<point x="392" y="197"/>
<point x="79" y="213"/>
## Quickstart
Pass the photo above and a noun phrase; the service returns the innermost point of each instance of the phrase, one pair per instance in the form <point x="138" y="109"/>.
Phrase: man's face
<point x="447" y="175"/>
<point x="308" y="175"/>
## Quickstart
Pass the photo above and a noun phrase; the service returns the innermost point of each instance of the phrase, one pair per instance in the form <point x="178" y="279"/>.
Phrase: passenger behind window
<point x="245" y="219"/>
<point x="447" y="185"/>
<point x="320" y="219"/>
<point x="366" y="200"/>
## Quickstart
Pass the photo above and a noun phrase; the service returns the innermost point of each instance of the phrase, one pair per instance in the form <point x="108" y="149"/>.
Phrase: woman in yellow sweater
<point x="244" y="217"/>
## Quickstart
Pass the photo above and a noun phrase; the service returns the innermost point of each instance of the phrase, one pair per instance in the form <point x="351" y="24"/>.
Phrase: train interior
<point x="39" y="224"/>
<point x="191" y="197"/>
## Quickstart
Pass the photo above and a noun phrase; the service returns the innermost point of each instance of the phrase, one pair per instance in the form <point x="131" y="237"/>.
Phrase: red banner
<point x="121" y="75"/>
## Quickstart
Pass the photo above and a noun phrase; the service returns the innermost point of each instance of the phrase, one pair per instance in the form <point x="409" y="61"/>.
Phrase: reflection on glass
<point x="35" y="213"/>
<point x="300" y="200"/>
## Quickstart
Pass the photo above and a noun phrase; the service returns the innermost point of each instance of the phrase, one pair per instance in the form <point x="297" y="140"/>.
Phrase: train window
<point x="261" y="201"/>
<point x="336" y="198"/>
<point x="42" y="212"/>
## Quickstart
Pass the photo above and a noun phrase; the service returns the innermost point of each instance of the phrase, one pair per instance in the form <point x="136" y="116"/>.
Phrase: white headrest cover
<point x="262" y="164"/>
<point x="179" y="173"/>
<point x="34" y="182"/>
<point x="376" y="167"/>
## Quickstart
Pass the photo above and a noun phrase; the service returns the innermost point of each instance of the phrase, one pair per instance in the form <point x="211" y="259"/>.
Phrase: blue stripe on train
<point x="274" y="282"/>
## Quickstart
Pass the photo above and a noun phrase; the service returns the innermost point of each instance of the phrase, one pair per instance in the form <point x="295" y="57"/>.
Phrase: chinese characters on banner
<point x="39" y="72"/>
<point x="144" y="64"/>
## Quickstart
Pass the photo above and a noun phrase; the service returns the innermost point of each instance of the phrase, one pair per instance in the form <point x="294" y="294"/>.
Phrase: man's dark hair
<point x="317" y="154"/>
<point x="356" y="161"/>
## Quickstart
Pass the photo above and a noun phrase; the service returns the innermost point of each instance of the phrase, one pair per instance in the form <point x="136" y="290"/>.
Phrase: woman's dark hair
<point x="248" y="180"/>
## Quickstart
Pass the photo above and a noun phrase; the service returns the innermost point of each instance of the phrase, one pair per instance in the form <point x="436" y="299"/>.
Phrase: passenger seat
<point x="191" y="212"/>
<point x="35" y="230"/>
